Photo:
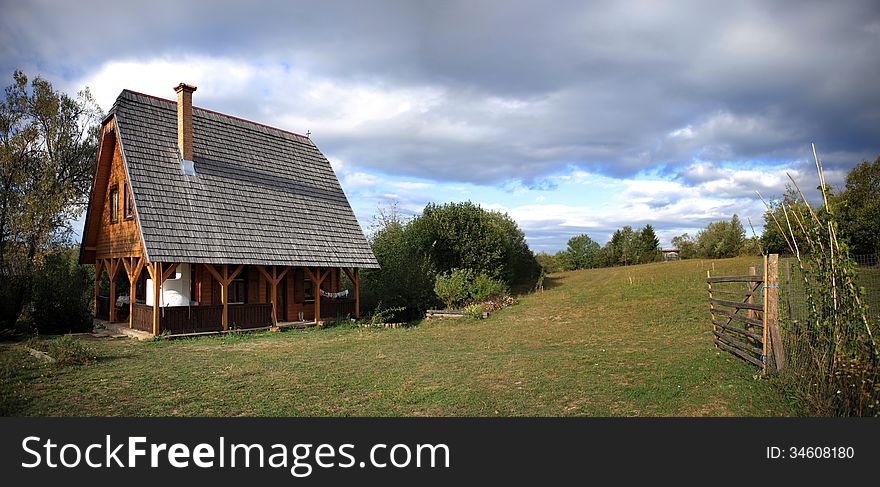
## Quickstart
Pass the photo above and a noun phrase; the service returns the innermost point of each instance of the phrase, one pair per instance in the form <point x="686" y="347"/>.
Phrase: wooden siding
<point x="120" y="239"/>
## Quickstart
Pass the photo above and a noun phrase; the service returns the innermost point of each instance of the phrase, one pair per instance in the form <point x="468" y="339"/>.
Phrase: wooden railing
<point x="199" y="319"/>
<point x="142" y="317"/>
<point x="250" y="315"/>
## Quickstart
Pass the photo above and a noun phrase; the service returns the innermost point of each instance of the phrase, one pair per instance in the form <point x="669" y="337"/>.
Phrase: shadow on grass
<point x="552" y="281"/>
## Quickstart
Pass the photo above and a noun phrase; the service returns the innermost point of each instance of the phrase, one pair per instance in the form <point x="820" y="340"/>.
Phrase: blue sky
<point x="573" y="117"/>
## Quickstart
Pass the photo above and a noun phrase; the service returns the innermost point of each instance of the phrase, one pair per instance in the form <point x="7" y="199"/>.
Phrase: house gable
<point x="103" y="236"/>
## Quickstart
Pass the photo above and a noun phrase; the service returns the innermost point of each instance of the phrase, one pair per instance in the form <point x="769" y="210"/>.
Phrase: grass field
<point x="592" y="344"/>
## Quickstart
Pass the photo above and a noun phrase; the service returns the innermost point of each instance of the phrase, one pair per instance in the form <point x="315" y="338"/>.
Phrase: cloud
<point x="493" y="91"/>
<point x="708" y="100"/>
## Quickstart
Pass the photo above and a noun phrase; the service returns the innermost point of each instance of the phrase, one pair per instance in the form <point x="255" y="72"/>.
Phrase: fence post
<point x="765" y="342"/>
<point x="712" y="308"/>
<point x="771" y="297"/>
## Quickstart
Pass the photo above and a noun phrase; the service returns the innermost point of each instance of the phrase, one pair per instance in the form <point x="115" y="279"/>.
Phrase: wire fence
<point x="854" y="386"/>
<point x="793" y="304"/>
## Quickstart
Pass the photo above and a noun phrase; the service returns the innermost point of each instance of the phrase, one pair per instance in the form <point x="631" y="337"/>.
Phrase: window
<point x="308" y="289"/>
<point x="129" y="203"/>
<point x="236" y="291"/>
<point x="114" y="204"/>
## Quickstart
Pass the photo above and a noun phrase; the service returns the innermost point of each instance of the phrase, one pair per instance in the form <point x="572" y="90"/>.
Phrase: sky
<point x="572" y="117"/>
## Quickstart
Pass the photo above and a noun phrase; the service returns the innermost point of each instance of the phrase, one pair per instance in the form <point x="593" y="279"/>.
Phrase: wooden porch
<point x="225" y="297"/>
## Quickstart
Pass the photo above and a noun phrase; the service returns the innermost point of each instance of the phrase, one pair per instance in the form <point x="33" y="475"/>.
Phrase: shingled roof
<point x="260" y="195"/>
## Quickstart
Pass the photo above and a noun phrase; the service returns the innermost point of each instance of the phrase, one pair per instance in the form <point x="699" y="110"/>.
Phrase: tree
<point x="581" y="253"/>
<point x="405" y="278"/>
<point x="648" y="245"/>
<point x="858" y="208"/>
<point x="549" y="263"/>
<point x="48" y="141"/>
<point x="776" y="241"/>
<point x="721" y="239"/>
<point x="686" y="245"/>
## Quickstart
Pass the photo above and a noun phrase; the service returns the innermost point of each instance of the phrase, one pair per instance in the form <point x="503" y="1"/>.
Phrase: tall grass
<point x="833" y="356"/>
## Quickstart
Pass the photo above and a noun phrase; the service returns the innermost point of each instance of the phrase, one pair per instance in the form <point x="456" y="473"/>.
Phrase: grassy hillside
<point x="592" y="344"/>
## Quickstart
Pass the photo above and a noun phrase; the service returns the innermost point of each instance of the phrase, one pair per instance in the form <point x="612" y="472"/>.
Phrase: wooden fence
<point x="754" y="334"/>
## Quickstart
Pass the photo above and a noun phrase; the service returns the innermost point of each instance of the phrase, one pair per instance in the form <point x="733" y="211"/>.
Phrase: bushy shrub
<point x="382" y="315"/>
<point x="474" y="310"/>
<point x="453" y="287"/>
<point x="405" y="279"/>
<point x="484" y="287"/>
<point x="62" y="294"/>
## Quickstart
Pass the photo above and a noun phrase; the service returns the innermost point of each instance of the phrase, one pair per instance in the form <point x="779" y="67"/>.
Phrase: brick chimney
<point x="184" y="120"/>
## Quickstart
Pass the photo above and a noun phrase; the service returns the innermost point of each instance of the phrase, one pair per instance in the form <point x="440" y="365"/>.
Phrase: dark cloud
<point x="531" y="87"/>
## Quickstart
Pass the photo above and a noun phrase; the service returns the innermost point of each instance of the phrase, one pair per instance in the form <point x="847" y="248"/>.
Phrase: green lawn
<point x="590" y="344"/>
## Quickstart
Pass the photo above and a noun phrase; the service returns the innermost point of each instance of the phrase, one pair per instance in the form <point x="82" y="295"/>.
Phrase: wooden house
<point x="216" y="222"/>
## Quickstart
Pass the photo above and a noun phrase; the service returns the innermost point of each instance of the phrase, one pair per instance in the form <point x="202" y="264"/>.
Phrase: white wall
<point x="175" y="289"/>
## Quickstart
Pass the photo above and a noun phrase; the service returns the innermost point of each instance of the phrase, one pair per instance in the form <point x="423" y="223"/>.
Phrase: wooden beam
<point x="316" y="285"/>
<point x="283" y="273"/>
<point x="224" y="296"/>
<point x="735" y="304"/>
<point x="237" y="271"/>
<point x="357" y="293"/>
<point x="264" y="272"/>
<point x="309" y="272"/>
<point x="157" y="290"/>
<point x="214" y="272"/>
<point x="765" y="339"/>
<point x="170" y="270"/>
<point x="134" y="272"/>
<point x="348" y="272"/>
<point x="771" y="296"/>
<point x="354" y="277"/>
<point x="113" y="273"/>
<point x="273" y="279"/>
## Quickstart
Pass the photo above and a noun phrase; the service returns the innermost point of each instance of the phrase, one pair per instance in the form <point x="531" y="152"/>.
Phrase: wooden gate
<point x="745" y="314"/>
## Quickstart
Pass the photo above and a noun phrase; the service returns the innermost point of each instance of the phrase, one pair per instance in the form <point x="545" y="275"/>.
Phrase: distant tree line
<point x="720" y="239"/>
<point x="626" y="247"/>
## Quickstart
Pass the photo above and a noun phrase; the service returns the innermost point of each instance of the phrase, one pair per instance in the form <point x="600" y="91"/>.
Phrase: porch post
<point x="274" y="299"/>
<point x="357" y="294"/>
<point x="224" y="279"/>
<point x="317" y="290"/>
<point x="224" y="297"/>
<point x="274" y="279"/>
<point x="113" y="272"/>
<point x="356" y="281"/>
<point x="157" y="289"/>
<point x="134" y="272"/>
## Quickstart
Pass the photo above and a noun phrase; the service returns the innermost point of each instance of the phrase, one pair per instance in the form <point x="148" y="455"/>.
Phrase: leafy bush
<point x="465" y="236"/>
<point x="484" y="287"/>
<point x="474" y="310"/>
<point x="453" y="287"/>
<point x="386" y="315"/>
<point x="405" y="279"/>
<point x="412" y="253"/>
<point x="62" y="294"/>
